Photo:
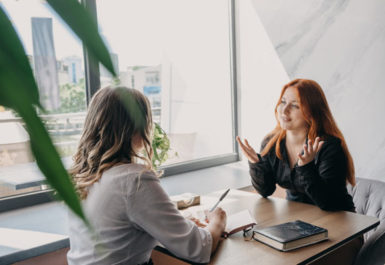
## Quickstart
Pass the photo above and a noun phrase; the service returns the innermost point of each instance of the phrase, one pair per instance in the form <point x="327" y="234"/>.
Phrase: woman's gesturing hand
<point x="309" y="151"/>
<point x="248" y="151"/>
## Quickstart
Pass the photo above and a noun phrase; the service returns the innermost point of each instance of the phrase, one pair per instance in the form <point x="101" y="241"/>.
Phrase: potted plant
<point x="160" y="146"/>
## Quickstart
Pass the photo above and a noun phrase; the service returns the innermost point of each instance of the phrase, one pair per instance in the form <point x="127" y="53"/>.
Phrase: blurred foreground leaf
<point x="18" y="90"/>
<point x="82" y="23"/>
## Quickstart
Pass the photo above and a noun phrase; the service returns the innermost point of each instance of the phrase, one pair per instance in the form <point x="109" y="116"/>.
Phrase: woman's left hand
<point x="197" y="222"/>
<point x="309" y="151"/>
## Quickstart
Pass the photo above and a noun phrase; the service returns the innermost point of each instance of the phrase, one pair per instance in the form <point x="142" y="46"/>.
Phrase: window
<point x="56" y="58"/>
<point x="178" y="53"/>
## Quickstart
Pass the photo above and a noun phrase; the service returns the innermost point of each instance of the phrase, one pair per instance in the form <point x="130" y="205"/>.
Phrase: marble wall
<point x="341" y="45"/>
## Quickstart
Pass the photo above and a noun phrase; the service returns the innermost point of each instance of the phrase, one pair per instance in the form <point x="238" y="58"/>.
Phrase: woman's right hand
<point x="216" y="225"/>
<point x="218" y="217"/>
<point x="248" y="151"/>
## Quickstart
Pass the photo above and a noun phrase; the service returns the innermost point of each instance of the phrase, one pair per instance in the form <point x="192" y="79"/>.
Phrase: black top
<point x="321" y="182"/>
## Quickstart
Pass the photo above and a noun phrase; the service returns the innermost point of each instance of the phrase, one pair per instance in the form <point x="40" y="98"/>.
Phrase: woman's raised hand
<point x="309" y="151"/>
<point x="248" y="151"/>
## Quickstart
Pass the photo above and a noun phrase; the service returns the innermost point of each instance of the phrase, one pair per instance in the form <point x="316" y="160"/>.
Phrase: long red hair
<point x="318" y="117"/>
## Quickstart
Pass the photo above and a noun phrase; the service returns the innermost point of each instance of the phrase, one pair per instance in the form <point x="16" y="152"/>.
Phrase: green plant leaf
<point x="15" y="71"/>
<point x="49" y="162"/>
<point x="18" y="91"/>
<point x="81" y="22"/>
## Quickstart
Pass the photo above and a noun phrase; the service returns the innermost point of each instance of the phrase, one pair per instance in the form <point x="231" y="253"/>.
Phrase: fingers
<point x="240" y="143"/>
<point x="310" y="150"/>
<point x="239" y="140"/>
<point x="216" y="215"/>
<point x="220" y="214"/>
<point x="316" y="143"/>
<point x="250" y="149"/>
<point x="247" y="144"/>
<point x="198" y="222"/>
<point x="247" y="150"/>
<point x="305" y="150"/>
<point x="220" y="211"/>
<point x="243" y="147"/>
<point x="311" y="147"/>
<point x="320" y="145"/>
<point x="301" y="157"/>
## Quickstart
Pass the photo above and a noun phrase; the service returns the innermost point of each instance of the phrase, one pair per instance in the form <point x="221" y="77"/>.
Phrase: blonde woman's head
<point x="117" y="129"/>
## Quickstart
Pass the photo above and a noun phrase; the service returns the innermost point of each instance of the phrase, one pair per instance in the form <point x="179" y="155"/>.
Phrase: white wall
<point x="262" y="76"/>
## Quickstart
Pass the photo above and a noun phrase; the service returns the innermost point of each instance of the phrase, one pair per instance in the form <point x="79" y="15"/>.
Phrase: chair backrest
<point x="369" y="199"/>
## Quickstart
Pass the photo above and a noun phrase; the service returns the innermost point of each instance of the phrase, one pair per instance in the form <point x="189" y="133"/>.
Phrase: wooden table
<point x="342" y="227"/>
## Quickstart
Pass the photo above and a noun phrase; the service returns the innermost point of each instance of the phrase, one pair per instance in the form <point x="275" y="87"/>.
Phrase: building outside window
<point x="178" y="55"/>
<point x="56" y="59"/>
<point x="174" y="52"/>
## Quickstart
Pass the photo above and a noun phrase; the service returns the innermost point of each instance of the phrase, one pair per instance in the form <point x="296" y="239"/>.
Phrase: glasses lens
<point x="248" y="234"/>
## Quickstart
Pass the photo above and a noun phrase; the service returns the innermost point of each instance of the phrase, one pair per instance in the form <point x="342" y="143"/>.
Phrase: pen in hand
<point x="220" y="199"/>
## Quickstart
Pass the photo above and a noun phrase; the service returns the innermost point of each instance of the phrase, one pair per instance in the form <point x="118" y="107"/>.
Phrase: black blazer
<point x="321" y="182"/>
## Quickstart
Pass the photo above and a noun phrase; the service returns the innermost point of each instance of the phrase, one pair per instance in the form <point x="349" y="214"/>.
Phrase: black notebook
<point x="291" y="235"/>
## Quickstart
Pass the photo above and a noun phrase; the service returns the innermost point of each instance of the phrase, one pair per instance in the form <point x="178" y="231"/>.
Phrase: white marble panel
<point x="340" y="44"/>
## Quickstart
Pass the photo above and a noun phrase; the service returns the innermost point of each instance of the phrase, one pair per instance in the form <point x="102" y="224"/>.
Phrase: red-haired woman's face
<point x="289" y="111"/>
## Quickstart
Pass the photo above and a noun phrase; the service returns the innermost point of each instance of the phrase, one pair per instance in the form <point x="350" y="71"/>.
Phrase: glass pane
<point x="177" y="52"/>
<point x="57" y="62"/>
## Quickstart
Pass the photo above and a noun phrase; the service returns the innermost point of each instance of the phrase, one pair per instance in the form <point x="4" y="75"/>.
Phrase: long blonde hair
<point x="319" y="118"/>
<point x="115" y="115"/>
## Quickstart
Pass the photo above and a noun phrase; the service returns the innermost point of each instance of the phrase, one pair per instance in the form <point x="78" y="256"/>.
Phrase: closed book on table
<point x="291" y="235"/>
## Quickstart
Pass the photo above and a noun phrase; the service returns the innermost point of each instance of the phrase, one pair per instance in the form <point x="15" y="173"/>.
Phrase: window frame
<point x="92" y="80"/>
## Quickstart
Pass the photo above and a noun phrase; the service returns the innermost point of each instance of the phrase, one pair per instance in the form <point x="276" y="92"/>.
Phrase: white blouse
<point x="130" y="214"/>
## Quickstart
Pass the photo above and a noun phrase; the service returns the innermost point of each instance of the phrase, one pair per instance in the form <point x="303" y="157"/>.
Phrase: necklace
<point x="292" y="153"/>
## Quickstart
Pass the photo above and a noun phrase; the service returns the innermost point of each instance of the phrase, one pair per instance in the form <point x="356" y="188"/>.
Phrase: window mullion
<point x="91" y="66"/>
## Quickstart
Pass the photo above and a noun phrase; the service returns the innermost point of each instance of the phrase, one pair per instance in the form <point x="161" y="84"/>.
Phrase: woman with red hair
<point x="306" y="153"/>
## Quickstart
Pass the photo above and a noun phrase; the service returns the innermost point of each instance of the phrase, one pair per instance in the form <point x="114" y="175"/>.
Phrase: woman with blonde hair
<point x="123" y="200"/>
<point x="306" y="153"/>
